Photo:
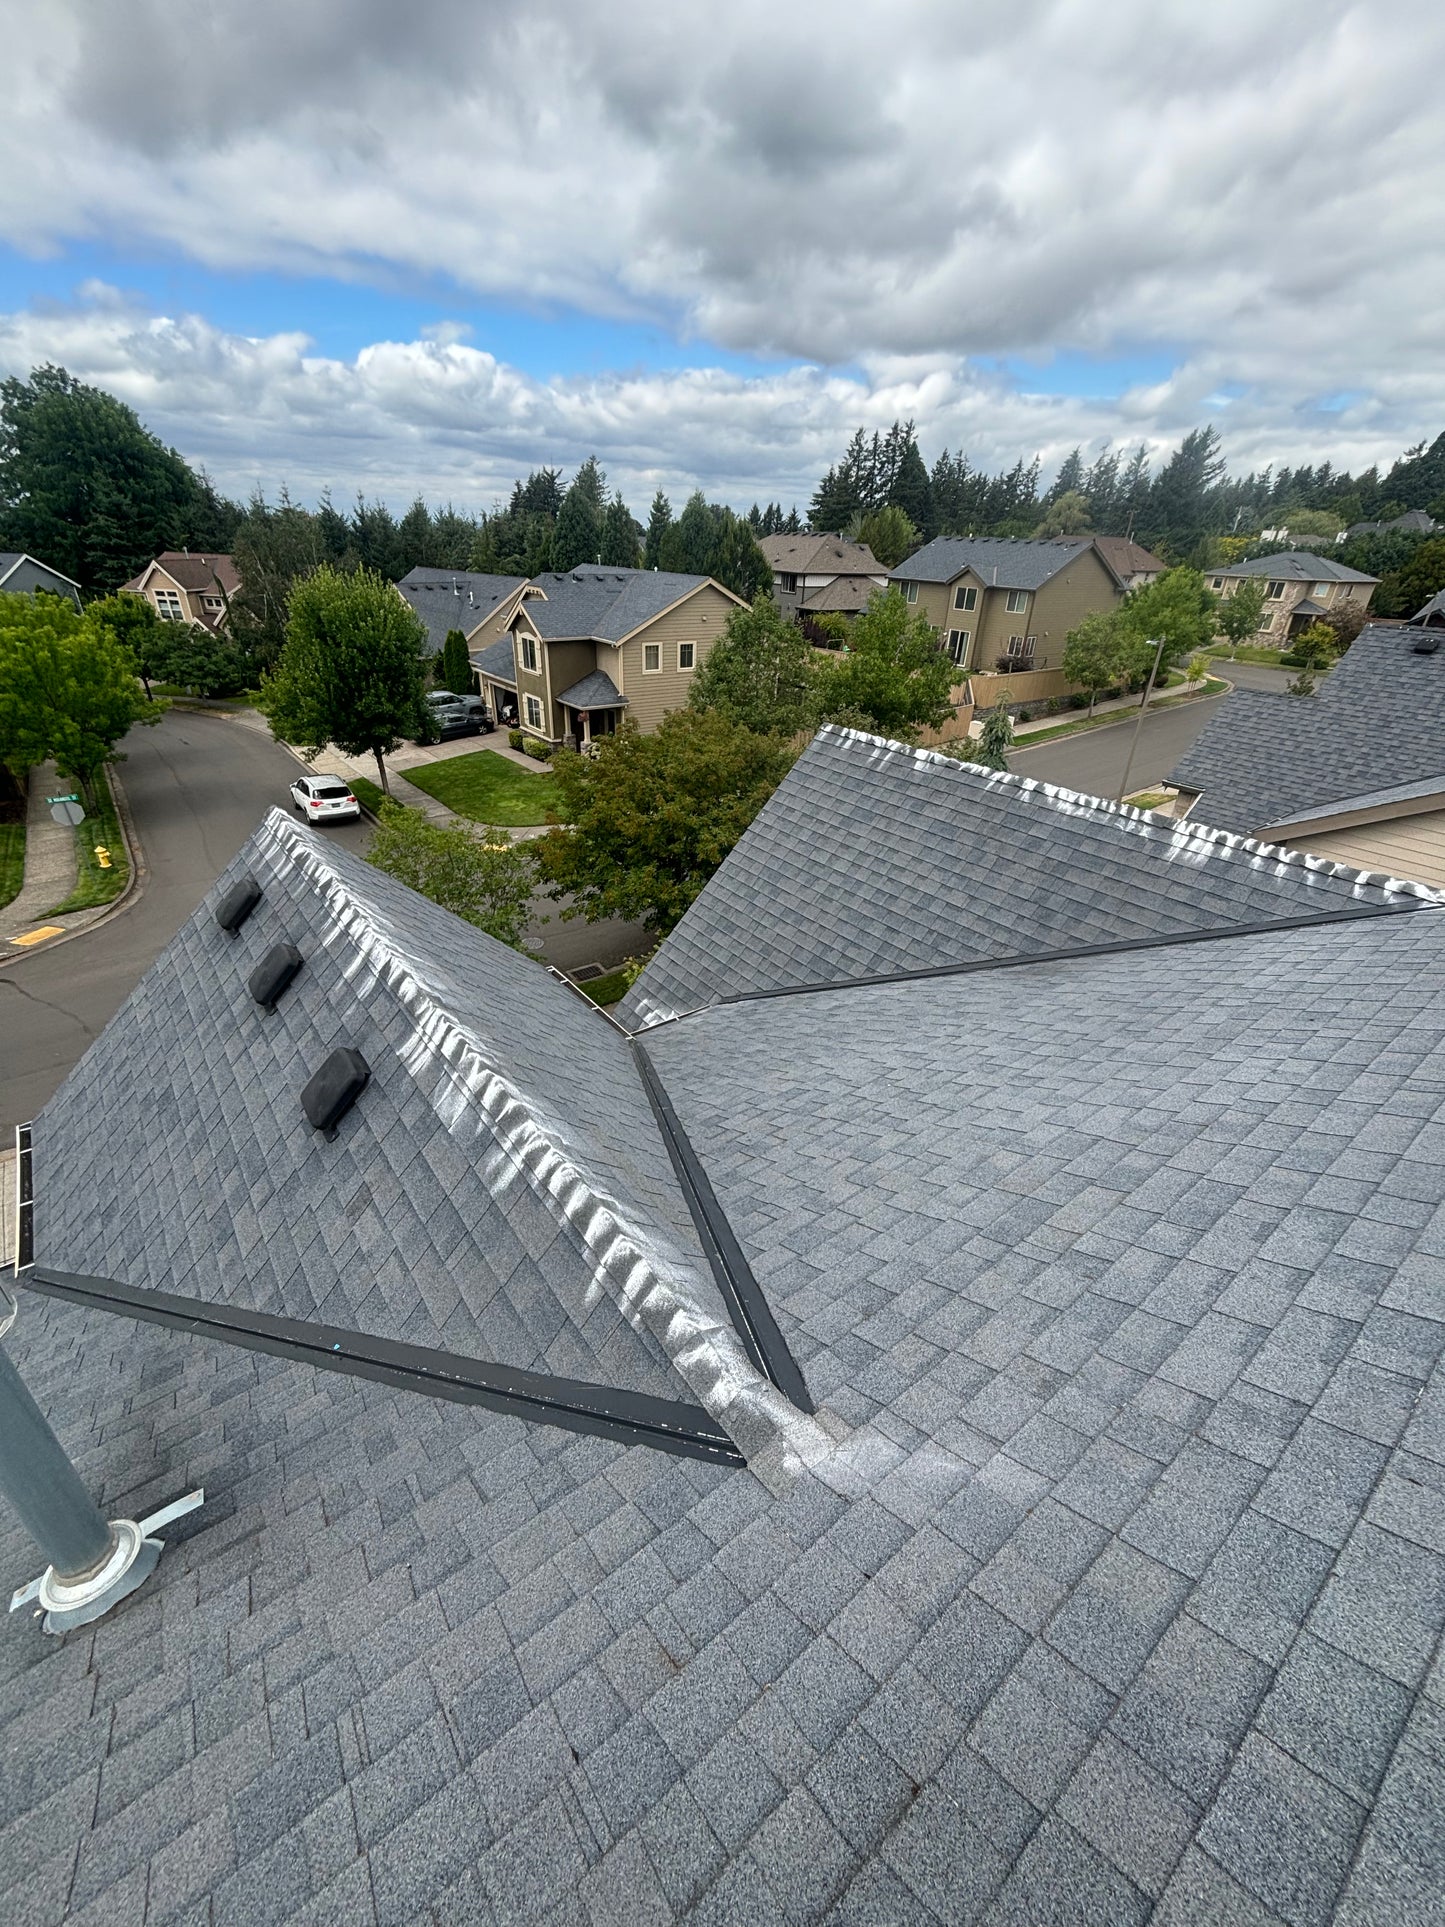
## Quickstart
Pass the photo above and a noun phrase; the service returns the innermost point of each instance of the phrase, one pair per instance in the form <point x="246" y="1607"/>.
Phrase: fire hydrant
<point x="102" y="856"/>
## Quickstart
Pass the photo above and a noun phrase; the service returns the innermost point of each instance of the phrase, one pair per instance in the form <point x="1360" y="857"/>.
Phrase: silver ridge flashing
<point x="649" y="1286"/>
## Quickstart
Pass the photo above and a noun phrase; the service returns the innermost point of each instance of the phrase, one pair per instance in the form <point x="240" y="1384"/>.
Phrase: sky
<point x="423" y="249"/>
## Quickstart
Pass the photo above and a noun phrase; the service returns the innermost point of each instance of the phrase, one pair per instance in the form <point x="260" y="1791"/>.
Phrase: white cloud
<point x="894" y="187"/>
<point x="438" y="417"/>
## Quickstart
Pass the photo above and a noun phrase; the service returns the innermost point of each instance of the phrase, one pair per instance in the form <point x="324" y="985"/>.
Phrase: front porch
<point x="592" y="709"/>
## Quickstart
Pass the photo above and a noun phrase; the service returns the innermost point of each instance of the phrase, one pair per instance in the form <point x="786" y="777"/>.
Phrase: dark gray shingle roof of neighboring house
<point x="594" y="691"/>
<point x="448" y="599"/>
<point x="820" y="555"/>
<point x="1412" y="522"/>
<point x="1377" y="720"/>
<point x="604" y="604"/>
<point x="998" y="562"/>
<point x="873" y="857"/>
<point x="1433" y="611"/>
<point x="1107" y="1584"/>
<point x="497" y="662"/>
<point x="1298" y="565"/>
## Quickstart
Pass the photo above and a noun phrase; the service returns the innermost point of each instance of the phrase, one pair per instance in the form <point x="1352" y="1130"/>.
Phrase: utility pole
<point x="1139" y="720"/>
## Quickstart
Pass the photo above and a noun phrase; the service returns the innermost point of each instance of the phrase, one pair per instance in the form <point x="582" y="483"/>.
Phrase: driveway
<point x="1093" y="761"/>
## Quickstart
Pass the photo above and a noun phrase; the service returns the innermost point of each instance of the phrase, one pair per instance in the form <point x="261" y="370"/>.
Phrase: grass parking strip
<point x="488" y="789"/>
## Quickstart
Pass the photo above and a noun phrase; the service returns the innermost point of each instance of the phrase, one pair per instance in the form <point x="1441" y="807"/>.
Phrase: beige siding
<point x="531" y="682"/>
<point x="569" y="662"/>
<point x="699" y="619"/>
<point x="1412" y="847"/>
<point x="493" y="626"/>
<point x="1063" y="602"/>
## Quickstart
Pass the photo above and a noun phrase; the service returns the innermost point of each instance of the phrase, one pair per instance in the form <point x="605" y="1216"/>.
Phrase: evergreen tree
<point x="1070" y="478"/>
<point x="689" y="544"/>
<point x="1178" y="501"/>
<point x="619" y="536"/>
<point x="333" y="532"/>
<point x="415" y="544"/>
<point x="578" y="535"/>
<point x="274" y="549"/>
<point x="910" y="489"/>
<point x="658" y="524"/>
<point x="456" y="671"/>
<point x="374" y="540"/>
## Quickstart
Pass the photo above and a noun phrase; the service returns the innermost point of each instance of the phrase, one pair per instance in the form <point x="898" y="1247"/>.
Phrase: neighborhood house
<point x="1002" y="604"/>
<point x="594" y="644"/>
<point x="23" y="575"/>
<point x="186" y="586"/>
<point x="1300" y="588"/>
<point x="816" y="575"/>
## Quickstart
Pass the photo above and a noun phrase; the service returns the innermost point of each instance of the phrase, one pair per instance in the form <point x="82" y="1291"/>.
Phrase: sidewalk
<point x="49" y="858"/>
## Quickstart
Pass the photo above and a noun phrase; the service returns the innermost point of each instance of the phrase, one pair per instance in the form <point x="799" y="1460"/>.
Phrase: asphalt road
<point x="197" y="788"/>
<point x="1093" y="761"/>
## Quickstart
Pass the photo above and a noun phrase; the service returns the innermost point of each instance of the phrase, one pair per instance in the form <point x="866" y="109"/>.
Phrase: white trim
<point x="685" y="668"/>
<point x="529" y="702"/>
<point x="652" y="669"/>
<point x="35" y="562"/>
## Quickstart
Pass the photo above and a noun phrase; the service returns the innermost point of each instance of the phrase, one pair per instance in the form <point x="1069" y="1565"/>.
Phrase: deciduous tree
<point x="68" y="689"/>
<point x="893" y="677"/>
<point x="760" y="673"/>
<point x="889" y="534"/>
<point x="650" y="818"/>
<point x="1237" y="617"/>
<point x="486" y="878"/>
<point x="351" y="670"/>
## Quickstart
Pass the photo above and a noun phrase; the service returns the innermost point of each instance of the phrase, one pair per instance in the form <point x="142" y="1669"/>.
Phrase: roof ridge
<point x="1078" y="803"/>
<point x="645" y="1285"/>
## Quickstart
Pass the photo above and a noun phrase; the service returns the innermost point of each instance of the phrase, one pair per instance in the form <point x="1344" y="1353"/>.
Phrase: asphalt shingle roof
<point x="497" y="662"/>
<point x="1111" y="1590"/>
<point x="873" y="857"/>
<point x="819" y="554"/>
<point x="595" y="691"/>
<point x="998" y="561"/>
<point x="604" y="604"/>
<point x="1297" y="565"/>
<point x="1376" y="721"/>
<point x="448" y="599"/>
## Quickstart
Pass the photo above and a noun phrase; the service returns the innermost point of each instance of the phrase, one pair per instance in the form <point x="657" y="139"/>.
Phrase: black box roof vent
<point x="275" y="974"/>
<point x="237" y="904"/>
<point x="335" y="1088"/>
<point x="1428" y="645"/>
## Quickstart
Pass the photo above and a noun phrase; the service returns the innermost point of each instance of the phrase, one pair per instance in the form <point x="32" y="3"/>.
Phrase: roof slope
<point x="1297" y="565"/>
<point x="500" y="1192"/>
<point x="1376" y="721"/>
<point x="819" y="554"/>
<point x="1127" y="557"/>
<point x="605" y="604"/>
<point x="448" y="599"/>
<point x="192" y="569"/>
<point x="1000" y="561"/>
<point x="1122" y="1602"/>
<point x="873" y="857"/>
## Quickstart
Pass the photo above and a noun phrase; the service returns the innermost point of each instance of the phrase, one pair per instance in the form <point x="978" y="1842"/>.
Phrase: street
<point x="1093" y="761"/>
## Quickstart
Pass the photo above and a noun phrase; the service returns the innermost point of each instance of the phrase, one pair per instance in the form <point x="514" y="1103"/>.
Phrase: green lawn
<point x="368" y="794"/>
<point x="487" y="788"/>
<point x="1246" y="652"/>
<point x="12" y="860"/>
<point x="94" y="884"/>
<point x="610" y="989"/>
<point x="1212" y="687"/>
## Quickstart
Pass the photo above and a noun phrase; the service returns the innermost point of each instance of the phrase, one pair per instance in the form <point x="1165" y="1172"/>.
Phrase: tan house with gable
<point x="481" y="606"/>
<point x="183" y="585"/>
<point x="821" y="574"/>
<point x="1004" y="604"/>
<point x="1300" y="588"/>
<point x="595" y="644"/>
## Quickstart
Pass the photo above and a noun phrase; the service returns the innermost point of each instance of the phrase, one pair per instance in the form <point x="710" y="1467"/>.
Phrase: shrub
<point x="534" y="746"/>
<point x="514" y="737"/>
<point x="1025" y="715"/>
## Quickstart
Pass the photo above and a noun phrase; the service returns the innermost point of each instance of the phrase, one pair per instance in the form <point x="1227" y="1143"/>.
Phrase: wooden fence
<point x="1029" y="686"/>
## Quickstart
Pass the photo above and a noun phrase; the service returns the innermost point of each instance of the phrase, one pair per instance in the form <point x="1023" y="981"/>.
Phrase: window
<point x="1018" y="601"/>
<point x="1021" y="645"/>
<point x="1321" y="592"/>
<point x="1275" y="592"/>
<point x="910" y="591"/>
<point x="787" y="583"/>
<point x="168" y="605"/>
<point x="965" y="597"/>
<point x="687" y="655"/>
<point x="1217" y="584"/>
<point x="529" y="659"/>
<point x="534" y="712"/>
<point x="213" y="602"/>
<point x="651" y="657"/>
<point x="1265" y="622"/>
<point x="958" y="644"/>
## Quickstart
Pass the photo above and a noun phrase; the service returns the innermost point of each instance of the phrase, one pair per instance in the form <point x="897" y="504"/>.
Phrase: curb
<point x="133" y="891"/>
<point x="1021" y="747"/>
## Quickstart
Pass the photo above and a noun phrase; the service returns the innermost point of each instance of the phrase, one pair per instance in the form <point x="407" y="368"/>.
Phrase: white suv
<point x="324" y="799"/>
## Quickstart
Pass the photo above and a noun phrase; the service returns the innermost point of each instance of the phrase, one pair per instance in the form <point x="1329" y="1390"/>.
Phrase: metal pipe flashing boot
<point x="94" y="1563"/>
